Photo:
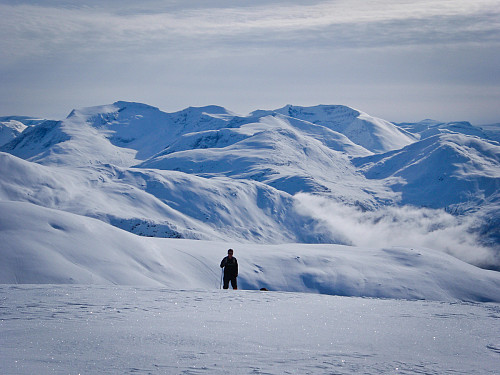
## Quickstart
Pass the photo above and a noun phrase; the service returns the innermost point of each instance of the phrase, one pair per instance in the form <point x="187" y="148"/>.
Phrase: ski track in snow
<point x="128" y="330"/>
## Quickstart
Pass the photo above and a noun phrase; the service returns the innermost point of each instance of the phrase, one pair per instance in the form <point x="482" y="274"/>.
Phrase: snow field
<point x="47" y="329"/>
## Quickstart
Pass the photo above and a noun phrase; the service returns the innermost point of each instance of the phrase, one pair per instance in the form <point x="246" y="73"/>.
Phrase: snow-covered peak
<point x="428" y="128"/>
<point x="12" y="126"/>
<point x="36" y="141"/>
<point x="146" y="129"/>
<point x="9" y="130"/>
<point x="334" y="116"/>
<point x="321" y="113"/>
<point x="25" y="120"/>
<point x="374" y="134"/>
<point x="289" y="154"/>
<point x="194" y="119"/>
<point x="442" y="170"/>
<point x="210" y="110"/>
<point x="116" y="107"/>
<point x="417" y="127"/>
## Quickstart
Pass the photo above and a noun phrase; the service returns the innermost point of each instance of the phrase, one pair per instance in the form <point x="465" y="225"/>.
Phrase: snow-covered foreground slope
<point x="44" y="246"/>
<point x="130" y="330"/>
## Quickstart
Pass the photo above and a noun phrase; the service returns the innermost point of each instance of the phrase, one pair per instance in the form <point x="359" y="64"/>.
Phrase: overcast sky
<point x="400" y="60"/>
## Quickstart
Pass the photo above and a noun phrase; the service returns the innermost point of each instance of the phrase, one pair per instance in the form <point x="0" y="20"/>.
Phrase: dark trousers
<point x="229" y="278"/>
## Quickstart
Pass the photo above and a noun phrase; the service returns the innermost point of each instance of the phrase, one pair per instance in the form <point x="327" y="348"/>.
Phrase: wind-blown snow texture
<point x="318" y="175"/>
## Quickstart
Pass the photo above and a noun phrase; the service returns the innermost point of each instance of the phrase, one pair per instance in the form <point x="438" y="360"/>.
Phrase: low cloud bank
<point x="400" y="226"/>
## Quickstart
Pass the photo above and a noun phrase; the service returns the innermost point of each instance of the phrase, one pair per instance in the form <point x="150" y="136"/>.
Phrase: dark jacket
<point x="230" y="267"/>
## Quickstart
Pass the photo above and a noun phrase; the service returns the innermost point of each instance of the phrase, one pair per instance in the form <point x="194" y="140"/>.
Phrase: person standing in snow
<point x="230" y="265"/>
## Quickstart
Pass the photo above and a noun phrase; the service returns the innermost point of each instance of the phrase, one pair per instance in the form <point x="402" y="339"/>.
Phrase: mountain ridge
<point x="206" y="172"/>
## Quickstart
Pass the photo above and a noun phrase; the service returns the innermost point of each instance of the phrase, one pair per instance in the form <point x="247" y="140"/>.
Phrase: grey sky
<point x="399" y="60"/>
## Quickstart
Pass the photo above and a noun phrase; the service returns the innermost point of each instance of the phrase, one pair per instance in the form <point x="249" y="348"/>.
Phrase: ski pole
<point x="221" y="273"/>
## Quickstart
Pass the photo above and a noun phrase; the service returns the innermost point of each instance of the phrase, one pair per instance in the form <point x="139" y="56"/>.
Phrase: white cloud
<point x="389" y="58"/>
<point x="32" y="29"/>
<point x="400" y="226"/>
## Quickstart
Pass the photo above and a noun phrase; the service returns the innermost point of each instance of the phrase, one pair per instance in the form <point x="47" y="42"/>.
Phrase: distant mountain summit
<point x="374" y="134"/>
<point x="208" y="173"/>
<point x="447" y="170"/>
<point x="10" y="129"/>
<point x="428" y="128"/>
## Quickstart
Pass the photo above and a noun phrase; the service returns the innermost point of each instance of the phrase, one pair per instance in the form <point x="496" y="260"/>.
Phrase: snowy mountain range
<point x="317" y="175"/>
